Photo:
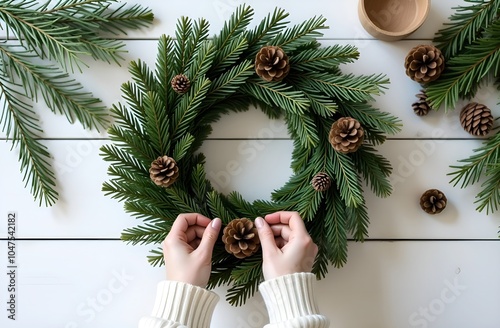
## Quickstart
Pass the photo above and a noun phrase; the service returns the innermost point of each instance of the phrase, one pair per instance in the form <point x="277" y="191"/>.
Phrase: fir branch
<point x="346" y="87"/>
<point x="156" y="257"/>
<point x="324" y="58"/>
<point x="335" y="228"/>
<point x="375" y="169"/>
<point x="357" y="221"/>
<point x="61" y="93"/>
<point x="266" y="30"/>
<point x="146" y="234"/>
<point x="300" y="35"/>
<point x="157" y="122"/>
<point x="484" y="161"/>
<point x="41" y="34"/>
<point x="342" y="168"/>
<point x="303" y="128"/>
<point x="20" y="124"/>
<point x="466" y="25"/>
<point x="466" y="70"/>
<point x="276" y="94"/>
<point x="370" y="117"/>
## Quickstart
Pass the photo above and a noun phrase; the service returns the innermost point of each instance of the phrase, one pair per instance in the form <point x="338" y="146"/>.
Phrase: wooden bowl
<point x="392" y="20"/>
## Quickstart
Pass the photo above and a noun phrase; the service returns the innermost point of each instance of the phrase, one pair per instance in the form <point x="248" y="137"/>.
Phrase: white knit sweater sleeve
<point x="290" y="302"/>
<point x="180" y="305"/>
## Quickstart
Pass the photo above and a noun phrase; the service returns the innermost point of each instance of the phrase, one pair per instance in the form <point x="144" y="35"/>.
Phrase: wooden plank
<point x="384" y="284"/>
<point x="254" y="168"/>
<point x="105" y="81"/>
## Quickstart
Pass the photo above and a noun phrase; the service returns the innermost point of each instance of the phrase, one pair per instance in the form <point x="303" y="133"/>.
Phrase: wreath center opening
<point x="248" y="152"/>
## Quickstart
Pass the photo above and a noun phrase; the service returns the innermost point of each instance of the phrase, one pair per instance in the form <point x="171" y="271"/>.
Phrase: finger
<point x="292" y="219"/>
<point x="184" y="221"/>
<point x="281" y="230"/>
<point x="210" y="236"/>
<point x="266" y="235"/>
<point x="194" y="232"/>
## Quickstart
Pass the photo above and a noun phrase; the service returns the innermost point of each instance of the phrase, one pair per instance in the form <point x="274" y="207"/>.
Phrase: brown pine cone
<point x="424" y="63"/>
<point x="271" y="64"/>
<point x="240" y="238"/>
<point x="476" y="119"/>
<point x="321" y="181"/>
<point x="346" y="135"/>
<point x="421" y="107"/>
<point x="164" y="171"/>
<point x="433" y="201"/>
<point x="180" y="83"/>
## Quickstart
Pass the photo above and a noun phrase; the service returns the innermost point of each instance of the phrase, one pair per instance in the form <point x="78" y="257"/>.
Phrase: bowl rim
<point x="427" y="4"/>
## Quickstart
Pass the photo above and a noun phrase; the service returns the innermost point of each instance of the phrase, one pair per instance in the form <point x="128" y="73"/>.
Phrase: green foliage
<point x="154" y="121"/>
<point x="471" y="45"/>
<point x="45" y="42"/>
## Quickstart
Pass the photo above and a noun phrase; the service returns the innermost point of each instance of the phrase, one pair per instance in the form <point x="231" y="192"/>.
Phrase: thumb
<point x="266" y="235"/>
<point x="210" y="235"/>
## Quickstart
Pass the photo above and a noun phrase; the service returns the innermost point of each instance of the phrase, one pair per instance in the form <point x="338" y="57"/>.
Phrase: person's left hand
<point x="188" y="247"/>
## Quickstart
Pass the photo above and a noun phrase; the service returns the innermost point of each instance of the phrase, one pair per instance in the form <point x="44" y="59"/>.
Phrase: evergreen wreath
<point x="44" y="43"/>
<point x="470" y="43"/>
<point x="158" y="172"/>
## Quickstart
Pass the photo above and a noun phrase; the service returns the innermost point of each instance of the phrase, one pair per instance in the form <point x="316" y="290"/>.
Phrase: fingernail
<point x="216" y="223"/>
<point x="259" y="222"/>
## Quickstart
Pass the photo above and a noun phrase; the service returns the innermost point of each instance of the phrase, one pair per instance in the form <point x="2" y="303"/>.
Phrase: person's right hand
<point x="286" y="245"/>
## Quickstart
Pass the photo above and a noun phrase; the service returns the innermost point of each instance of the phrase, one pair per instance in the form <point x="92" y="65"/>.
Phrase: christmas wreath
<point x="156" y="168"/>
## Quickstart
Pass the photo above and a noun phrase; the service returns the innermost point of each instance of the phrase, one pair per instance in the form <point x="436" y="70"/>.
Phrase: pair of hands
<point x="286" y="246"/>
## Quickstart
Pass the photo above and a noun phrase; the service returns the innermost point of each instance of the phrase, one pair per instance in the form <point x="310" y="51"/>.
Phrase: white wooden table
<point x="415" y="270"/>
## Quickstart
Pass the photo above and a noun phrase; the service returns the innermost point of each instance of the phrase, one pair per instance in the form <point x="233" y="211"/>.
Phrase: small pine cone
<point x="180" y="83"/>
<point x="476" y="119"/>
<point x="346" y="135"/>
<point x="271" y="64"/>
<point x="421" y="107"/>
<point x="240" y="238"/>
<point x="424" y="63"/>
<point x="164" y="171"/>
<point x="433" y="201"/>
<point x="321" y="182"/>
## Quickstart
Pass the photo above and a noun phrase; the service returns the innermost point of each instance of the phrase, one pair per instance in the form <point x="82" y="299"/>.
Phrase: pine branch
<point x="42" y="35"/>
<point x="375" y="169"/>
<point x="324" y="58"/>
<point x="370" y="117"/>
<point x="48" y="35"/>
<point x="335" y="228"/>
<point x="466" y="70"/>
<point x="266" y="30"/>
<point x="61" y="93"/>
<point x="484" y="161"/>
<point x="20" y="124"/>
<point x="466" y="25"/>
<point x="342" y="168"/>
<point x="346" y="87"/>
<point x="300" y="35"/>
<point x="276" y="94"/>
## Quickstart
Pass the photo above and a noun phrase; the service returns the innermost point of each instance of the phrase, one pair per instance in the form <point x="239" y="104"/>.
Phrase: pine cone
<point x="424" y="63"/>
<point x="164" y="171"/>
<point x="180" y="83"/>
<point x="433" y="201"/>
<point x="421" y="107"/>
<point x="346" y="135"/>
<point x="271" y="64"/>
<point x="321" y="181"/>
<point x="240" y="238"/>
<point x="476" y="119"/>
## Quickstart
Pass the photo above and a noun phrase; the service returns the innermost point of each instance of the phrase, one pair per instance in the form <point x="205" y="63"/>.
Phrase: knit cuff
<point x="289" y="297"/>
<point x="189" y="305"/>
